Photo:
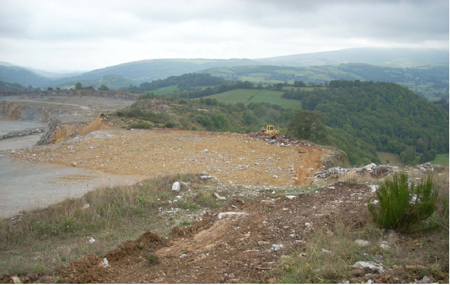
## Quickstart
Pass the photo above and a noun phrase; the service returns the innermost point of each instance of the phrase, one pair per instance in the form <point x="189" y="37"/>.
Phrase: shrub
<point x="169" y="125"/>
<point x="140" y="125"/>
<point x="401" y="205"/>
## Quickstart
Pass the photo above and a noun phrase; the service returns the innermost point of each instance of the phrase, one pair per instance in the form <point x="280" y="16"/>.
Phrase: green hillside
<point x="11" y="86"/>
<point x="166" y="90"/>
<point x="430" y="82"/>
<point x="25" y="77"/>
<point x="378" y="117"/>
<point x="203" y="114"/>
<point x="113" y="82"/>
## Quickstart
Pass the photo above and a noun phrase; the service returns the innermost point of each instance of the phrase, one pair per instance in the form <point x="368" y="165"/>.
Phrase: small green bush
<point x="400" y="205"/>
<point x="140" y="125"/>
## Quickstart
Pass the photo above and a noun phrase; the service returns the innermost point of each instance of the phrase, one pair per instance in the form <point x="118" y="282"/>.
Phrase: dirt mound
<point x="242" y="244"/>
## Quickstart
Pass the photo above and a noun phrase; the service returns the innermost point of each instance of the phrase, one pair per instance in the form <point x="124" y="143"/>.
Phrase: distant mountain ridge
<point x="149" y="70"/>
<point x="391" y="57"/>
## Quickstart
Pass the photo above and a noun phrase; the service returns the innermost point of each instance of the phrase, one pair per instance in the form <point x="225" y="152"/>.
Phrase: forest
<point x="378" y="116"/>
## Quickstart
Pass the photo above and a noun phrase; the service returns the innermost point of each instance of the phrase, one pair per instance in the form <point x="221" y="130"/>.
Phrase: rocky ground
<point x="239" y="244"/>
<point x="242" y="242"/>
<point x="232" y="158"/>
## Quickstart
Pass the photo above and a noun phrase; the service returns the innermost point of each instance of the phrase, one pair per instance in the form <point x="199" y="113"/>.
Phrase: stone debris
<point x="105" y="262"/>
<point x="385" y="246"/>
<point x="371" y="169"/>
<point x="223" y="214"/>
<point x="424" y="280"/>
<point x="362" y="243"/>
<point x="219" y="197"/>
<point x="426" y="167"/>
<point x="276" y="247"/>
<point x="333" y="172"/>
<point x="91" y="240"/>
<point x="329" y="252"/>
<point x="176" y="186"/>
<point x="368" y="266"/>
<point x="16" y="280"/>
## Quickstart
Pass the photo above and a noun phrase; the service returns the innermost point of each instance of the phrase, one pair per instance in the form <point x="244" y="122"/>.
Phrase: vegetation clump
<point x="401" y="205"/>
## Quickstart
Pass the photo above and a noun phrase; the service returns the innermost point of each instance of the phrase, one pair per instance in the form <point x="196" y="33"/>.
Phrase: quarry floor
<point x="231" y="158"/>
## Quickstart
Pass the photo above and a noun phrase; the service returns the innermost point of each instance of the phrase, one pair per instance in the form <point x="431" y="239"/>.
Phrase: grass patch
<point x="248" y="96"/>
<point x="166" y="90"/>
<point x="274" y="97"/>
<point x="332" y="250"/>
<point x="441" y="158"/>
<point x="235" y="96"/>
<point x="108" y="215"/>
<point x="389" y="158"/>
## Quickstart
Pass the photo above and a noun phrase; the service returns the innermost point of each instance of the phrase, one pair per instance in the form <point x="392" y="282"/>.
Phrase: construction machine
<point x="269" y="130"/>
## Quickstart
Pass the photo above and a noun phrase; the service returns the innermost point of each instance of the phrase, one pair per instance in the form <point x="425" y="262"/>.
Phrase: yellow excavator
<point x="269" y="130"/>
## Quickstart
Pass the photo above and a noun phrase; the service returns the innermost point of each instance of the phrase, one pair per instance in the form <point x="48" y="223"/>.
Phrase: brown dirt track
<point x="231" y="249"/>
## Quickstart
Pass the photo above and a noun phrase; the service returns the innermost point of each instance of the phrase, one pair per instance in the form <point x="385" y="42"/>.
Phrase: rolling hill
<point x="429" y="81"/>
<point x="392" y="57"/>
<point x="134" y="73"/>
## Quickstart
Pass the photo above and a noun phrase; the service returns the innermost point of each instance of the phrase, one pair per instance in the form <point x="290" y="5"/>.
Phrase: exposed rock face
<point x="13" y="111"/>
<point x="105" y="94"/>
<point x="59" y="132"/>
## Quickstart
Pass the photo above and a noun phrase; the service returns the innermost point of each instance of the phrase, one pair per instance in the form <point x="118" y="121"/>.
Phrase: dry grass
<point x="40" y="240"/>
<point x="422" y="251"/>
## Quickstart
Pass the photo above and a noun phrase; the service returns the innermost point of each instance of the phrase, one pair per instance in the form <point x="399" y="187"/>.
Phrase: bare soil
<point x="241" y="244"/>
<point x="231" y="158"/>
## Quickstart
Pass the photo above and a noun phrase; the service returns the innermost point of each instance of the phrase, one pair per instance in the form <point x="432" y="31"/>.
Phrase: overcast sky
<point x="85" y="35"/>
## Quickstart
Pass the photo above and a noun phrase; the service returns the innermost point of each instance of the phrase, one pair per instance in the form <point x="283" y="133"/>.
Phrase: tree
<point x="409" y="155"/>
<point x="103" y="87"/>
<point x="308" y="125"/>
<point x="78" y="86"/>
<point x="279" y="86"/>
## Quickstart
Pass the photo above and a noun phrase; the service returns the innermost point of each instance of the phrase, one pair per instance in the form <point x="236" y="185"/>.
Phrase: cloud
<point x="101" y="32"/>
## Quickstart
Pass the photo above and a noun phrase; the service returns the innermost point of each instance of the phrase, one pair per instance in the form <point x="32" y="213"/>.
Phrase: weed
<point x="151" y="258"/>
<point x="401" y="206"/>
<point x="185" y="223"/>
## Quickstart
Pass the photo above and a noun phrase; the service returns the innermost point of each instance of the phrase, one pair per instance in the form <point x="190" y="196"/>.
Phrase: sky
<point x="80" y="35"/>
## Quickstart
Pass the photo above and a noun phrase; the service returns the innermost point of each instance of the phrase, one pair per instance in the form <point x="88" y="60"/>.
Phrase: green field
<point x="165" y="90"/>
<point x="248" y="96"/>
<point x="287" y="88"/>
<point x="274" y="97"/>
<point x="441" y="158"/>
<point x="235" y="96"/>
<point x="389" y="158"/>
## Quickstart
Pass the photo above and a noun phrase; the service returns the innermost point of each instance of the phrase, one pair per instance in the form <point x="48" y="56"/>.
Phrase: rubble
<point x="371" y="170"/>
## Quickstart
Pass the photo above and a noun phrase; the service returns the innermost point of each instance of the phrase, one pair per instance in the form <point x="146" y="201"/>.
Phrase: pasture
<point x="248" y="96"/>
